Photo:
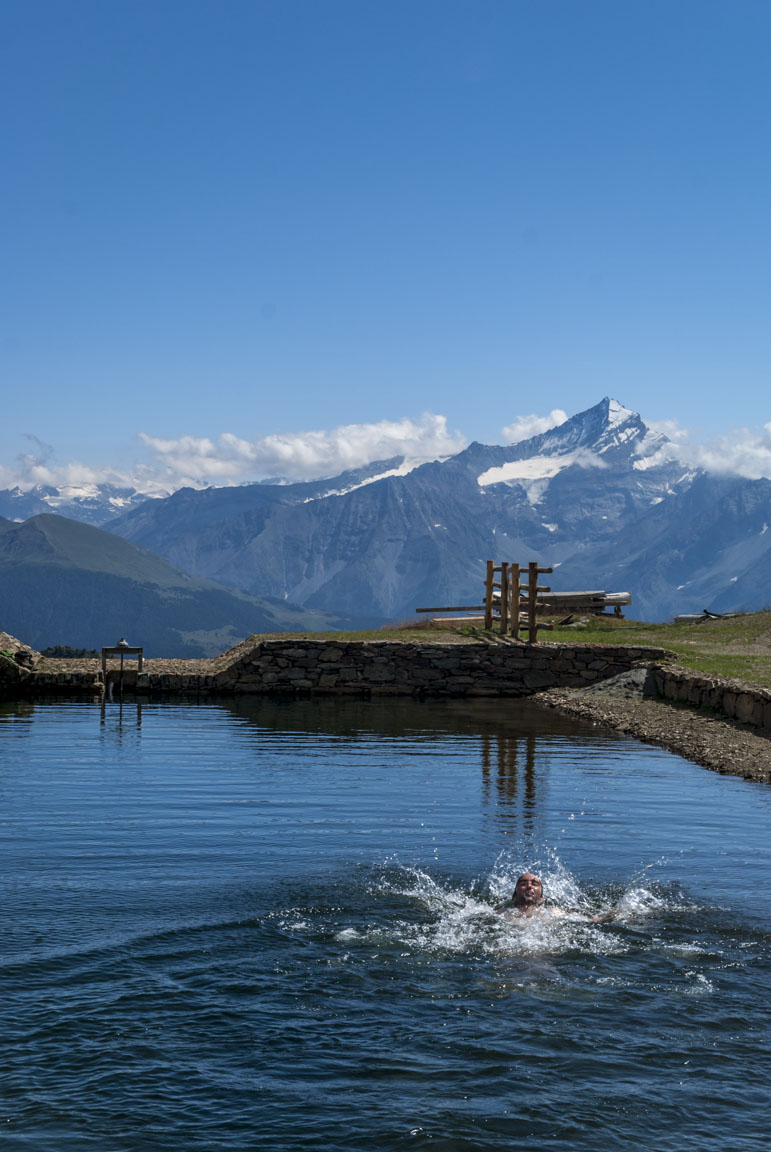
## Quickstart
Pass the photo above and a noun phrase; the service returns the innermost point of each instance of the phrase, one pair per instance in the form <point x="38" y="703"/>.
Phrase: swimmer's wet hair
<point x="529" y="873"/>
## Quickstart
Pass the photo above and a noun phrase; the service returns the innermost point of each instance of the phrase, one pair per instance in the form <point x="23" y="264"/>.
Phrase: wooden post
<point x="489" y="594"/>
<point x="503" y="624"/>
<point x="516" y="609"/>
<point x="532" y="597"/>
<point x="515" y="576"/>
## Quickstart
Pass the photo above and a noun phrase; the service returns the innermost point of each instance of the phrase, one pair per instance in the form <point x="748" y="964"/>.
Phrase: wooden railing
<point x="514" y="609"/>
<point x="515" y="599"/>
<point x="510" y="606"/>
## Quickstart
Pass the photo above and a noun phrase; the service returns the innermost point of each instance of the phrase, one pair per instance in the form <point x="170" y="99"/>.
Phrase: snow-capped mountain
<point x="601" y="498"/>
<point x="709" y="546"/>
<point x="607" y="437"/>
<point x="99" y="503"/>
<point x="395" y="537"/>
<point x="91" y="503"/>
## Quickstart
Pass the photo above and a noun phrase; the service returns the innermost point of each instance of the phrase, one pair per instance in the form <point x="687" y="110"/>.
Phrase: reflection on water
<point x="510" y="761"/>
<point x="119" y="718"/>
<point x="273" y="924"/>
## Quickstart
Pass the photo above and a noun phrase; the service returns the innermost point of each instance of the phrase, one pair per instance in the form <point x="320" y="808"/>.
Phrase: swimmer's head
<point x="528" y="891"/>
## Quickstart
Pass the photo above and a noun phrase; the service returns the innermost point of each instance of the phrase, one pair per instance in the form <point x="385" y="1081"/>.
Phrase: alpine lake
<point x="270" y="924"/>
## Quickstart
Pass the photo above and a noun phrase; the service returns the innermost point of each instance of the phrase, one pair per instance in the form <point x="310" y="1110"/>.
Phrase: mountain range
<point x="65" y="582"/>
<point x="602" y="498"/>
<point x="91" y="503"/>
<point x="393" y="540"/>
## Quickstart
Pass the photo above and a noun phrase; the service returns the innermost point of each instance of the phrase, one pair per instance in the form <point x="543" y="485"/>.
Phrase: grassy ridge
<point x="738" y="647"/>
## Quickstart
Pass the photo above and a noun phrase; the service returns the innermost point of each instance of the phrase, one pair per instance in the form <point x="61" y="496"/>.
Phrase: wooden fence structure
<point x="514" y="599"/>
<point x="511" y="602"/>
<point x="514" y="609"/>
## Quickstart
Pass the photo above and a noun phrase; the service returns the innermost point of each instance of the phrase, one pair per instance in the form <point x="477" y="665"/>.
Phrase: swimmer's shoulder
<point x="542" y="913"/>
<point x="566" y="914"/>
<point x="563" y="912"/>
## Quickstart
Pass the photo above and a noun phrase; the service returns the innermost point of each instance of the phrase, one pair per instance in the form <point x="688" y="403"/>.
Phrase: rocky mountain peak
<point x="606" y="427"/>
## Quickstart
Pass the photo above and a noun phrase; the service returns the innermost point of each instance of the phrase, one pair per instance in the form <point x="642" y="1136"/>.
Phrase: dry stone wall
<point x="731" y="698"/>
<point x="325" y="667"/>
<point x="422" y="669"/>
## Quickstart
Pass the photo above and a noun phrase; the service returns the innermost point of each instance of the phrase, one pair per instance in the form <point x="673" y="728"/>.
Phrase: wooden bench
<point x="121" y="650"/>
<point x="595" y="602"/>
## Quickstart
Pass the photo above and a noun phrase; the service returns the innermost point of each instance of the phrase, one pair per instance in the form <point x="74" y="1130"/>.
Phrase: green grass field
<point x="736" y="646"/>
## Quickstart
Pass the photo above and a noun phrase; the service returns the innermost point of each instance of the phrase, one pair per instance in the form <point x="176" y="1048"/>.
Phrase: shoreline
<point x="720" y="724"/>
<point x="708" y="739"/>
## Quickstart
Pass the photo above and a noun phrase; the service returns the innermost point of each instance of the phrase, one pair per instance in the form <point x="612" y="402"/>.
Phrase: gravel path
<point x="626" y="704"/>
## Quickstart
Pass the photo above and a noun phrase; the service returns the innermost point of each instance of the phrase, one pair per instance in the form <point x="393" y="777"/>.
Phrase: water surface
<point x="270" y="925"/>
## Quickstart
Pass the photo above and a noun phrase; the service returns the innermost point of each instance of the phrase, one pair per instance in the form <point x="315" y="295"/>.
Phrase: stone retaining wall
<point x="360" y="668"/>
<point x="423" y="669"/>
<point x="19" y="683"/>
<point x="75" y="683"/>
<point x="382" y="667"/>
<point x="731" y="698"/>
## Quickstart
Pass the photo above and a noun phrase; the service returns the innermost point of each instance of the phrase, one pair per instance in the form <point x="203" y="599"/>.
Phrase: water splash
<point x="432" y="916"/>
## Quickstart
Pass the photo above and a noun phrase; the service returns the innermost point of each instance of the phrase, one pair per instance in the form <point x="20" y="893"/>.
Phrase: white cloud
<point x="744" y="451"/>
<point x="228" y="459"/>
<point x="526" y="426"/>
<point x="171" y="463"/>
<point x="302" y="455"/>
<point x="739" y="451"/>
<point x="669" y="428"/>
<point x="41" y="467"/>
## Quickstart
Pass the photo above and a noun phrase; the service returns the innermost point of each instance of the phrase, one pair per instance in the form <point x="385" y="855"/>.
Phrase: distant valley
<point x="66" y="582"/>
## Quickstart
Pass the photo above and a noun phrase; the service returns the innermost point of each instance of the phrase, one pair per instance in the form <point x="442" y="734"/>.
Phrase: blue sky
<point x="259" y="219"/>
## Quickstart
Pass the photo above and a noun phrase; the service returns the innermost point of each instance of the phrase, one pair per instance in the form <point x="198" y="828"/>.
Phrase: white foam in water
<point x="458" y="921"/>
<point x="691" y="951"/>
<point x="349" y="934"/>
<point x="699" y="986"/>
<point x="638" y="902"/>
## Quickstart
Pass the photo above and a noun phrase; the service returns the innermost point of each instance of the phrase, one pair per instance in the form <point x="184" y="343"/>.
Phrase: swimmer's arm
<point x="604" y="916"/>
<point x="580" y="916"/>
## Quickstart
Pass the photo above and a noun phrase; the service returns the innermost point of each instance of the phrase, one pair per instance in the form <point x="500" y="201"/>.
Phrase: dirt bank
<point x="626" y="705"/>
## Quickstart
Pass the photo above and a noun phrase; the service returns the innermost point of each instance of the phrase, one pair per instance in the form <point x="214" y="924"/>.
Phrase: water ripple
<point x="274" y="927"/>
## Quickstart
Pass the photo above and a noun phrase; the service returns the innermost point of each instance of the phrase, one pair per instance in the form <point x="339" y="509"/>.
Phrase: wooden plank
<point x="585" y="599"/>
<point x="489" y="594"/>
<point x="532" y="600"/>
<point x="562" y="597"/>
<point x="457" y="620"/>
<point x="515" y="577"/>
<point x="503" y="623"/>
<point x="455" y="608"/>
